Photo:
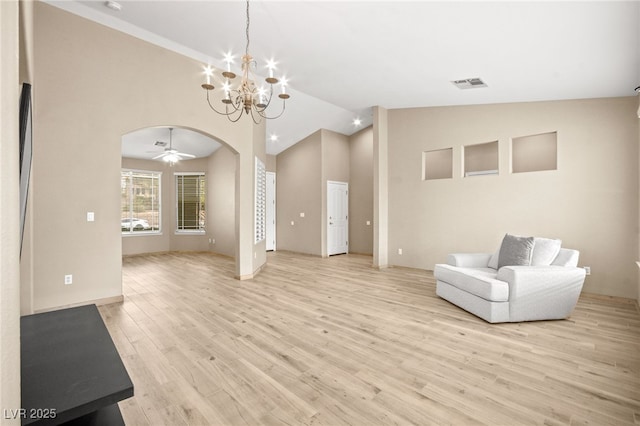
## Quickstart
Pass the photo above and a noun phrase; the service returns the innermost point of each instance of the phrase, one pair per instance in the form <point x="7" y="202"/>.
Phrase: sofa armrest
<point x="542" y="292"/>
<point x="469" y="260"/>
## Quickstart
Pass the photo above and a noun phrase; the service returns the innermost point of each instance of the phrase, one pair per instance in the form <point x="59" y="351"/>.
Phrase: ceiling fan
<point x="171" y="155"/>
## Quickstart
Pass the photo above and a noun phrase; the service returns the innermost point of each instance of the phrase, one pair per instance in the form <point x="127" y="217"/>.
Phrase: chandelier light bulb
<point x="228" y="58"/>
<point x="271" y="65"/>
<point x="208" y="72"/>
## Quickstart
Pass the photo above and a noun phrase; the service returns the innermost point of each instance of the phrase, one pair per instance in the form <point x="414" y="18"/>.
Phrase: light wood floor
<point x="315" y="341"/>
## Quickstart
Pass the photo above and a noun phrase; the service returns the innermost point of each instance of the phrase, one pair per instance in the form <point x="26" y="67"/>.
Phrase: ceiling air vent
<point x="160" y="143"/>
<point x="469" y="83"/>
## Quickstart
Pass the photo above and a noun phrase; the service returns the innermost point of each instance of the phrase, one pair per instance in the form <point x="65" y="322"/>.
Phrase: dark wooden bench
<point x="70" y="368"/>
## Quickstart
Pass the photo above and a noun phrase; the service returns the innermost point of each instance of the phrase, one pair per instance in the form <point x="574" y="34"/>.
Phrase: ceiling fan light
<point x="171" y="158"/>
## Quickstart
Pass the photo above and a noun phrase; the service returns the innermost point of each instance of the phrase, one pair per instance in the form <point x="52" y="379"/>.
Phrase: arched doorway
<point x="159" y="209"/>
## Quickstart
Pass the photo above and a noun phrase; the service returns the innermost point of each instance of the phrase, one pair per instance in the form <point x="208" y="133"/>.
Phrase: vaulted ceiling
<point x="344" y="57"/>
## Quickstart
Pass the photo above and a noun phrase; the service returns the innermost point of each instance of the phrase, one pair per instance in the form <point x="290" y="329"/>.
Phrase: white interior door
<point x="271" y="211"/>
<point x="337" y="217"/>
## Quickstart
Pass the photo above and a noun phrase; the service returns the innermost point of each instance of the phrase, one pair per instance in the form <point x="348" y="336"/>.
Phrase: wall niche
<point x="534" y="153"/>
<point x="481" y="159"/>
<point x="437" y="164"/>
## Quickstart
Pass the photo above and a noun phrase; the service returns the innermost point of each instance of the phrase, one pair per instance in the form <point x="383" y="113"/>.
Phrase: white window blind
<point x="261" y="191"/>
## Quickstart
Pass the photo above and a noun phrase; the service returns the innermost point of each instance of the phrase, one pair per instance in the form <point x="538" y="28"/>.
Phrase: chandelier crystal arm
<point x="214" y="108"/>
<point x="264" y="115"/>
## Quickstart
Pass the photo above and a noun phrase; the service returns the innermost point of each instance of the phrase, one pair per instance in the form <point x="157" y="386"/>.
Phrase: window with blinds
<point x="190" y="202"/>
<point x="140" y="202"/>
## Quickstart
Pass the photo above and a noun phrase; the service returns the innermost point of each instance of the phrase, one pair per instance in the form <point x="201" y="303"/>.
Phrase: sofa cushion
<point x="545" y="250"/>
<point x="481" y="282"/>
<point x="515" y="251"/>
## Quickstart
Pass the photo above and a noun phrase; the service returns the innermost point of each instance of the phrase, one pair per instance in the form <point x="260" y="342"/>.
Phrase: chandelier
<point x="246" y="97"/>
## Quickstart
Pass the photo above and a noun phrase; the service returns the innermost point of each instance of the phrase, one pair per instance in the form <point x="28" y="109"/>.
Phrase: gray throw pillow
<point x="515" y="251"/>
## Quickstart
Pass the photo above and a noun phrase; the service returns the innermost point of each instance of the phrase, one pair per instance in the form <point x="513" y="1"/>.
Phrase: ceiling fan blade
<point x="181" y="154"/>
<point x="159" y="156"/>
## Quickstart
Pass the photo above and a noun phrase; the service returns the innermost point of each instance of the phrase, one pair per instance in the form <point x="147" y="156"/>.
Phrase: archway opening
<point x="188" y="205"/>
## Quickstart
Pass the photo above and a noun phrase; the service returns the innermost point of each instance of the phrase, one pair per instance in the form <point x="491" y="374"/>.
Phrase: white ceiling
<point x="141" y="144"/>
<point x="344" y="57"/>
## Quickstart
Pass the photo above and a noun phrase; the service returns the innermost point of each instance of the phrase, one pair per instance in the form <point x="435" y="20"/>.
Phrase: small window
<point x="190" y="203"/>
<point x="534" y="153"/>
<point x="437" y="164"/>
<point x="481" y="159"/>
<point x="140" y="202"/>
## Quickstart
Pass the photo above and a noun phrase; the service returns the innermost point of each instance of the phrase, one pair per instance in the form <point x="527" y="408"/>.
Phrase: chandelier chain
<point x="247" y="30"/>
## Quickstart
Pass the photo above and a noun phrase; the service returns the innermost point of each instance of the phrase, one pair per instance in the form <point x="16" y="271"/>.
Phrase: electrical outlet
<point x="399" y="251"/>
<point x="587" y="270"/>
<point x="368" y="223"/>
<point x="68" y="279"/>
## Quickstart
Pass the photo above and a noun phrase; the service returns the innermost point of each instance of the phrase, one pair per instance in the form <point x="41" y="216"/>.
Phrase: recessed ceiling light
<point x="357" y="122"/>
<point x="113" y="5"/>
<point x="273" y="138"/>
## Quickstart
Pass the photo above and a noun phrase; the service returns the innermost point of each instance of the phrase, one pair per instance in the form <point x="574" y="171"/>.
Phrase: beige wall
<point x="380" y="187"/>
<point x="590" y="202"/>
<point x="298" y="190"/>
<point x="301" y="187"/>
<point x="221" y="186"/>
<point x="9" y="213"/>
<point x="361" y="192"/>
<point x="93" y="85"/>
<point x="271" y="163"/>
<point x="334" y="167"/>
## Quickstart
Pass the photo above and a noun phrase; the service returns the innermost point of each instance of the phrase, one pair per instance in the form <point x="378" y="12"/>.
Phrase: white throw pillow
<point x="493" y="262"/>
<point x="545" y="250"/>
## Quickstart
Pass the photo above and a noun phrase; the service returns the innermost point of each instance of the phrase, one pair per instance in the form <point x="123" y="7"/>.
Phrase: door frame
<point x="328" y="233"/>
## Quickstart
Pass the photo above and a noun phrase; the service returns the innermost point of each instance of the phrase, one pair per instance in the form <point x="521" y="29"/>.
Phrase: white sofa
<point x="546" y="288"/>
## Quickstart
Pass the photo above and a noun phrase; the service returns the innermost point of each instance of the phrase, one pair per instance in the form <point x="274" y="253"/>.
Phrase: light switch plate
<point x="91" y="216"/>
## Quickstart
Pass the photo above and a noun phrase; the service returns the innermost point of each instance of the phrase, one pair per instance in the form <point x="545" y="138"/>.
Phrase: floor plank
<point x="334" y="341"/>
